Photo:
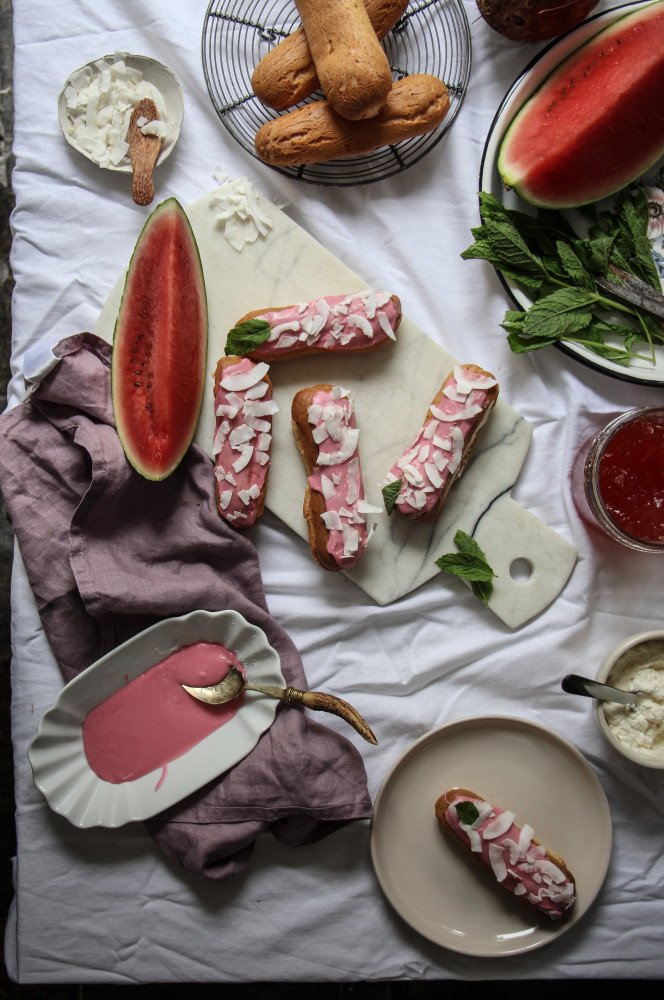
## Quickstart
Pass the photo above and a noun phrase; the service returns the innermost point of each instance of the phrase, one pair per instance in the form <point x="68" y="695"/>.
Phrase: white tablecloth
<point x="104" y="906"/>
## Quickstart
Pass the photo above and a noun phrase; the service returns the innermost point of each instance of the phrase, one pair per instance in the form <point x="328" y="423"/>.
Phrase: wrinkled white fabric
<point x="104" y="906"/>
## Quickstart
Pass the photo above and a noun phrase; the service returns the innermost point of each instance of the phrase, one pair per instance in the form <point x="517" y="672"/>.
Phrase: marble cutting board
<point x="287" y="266"/>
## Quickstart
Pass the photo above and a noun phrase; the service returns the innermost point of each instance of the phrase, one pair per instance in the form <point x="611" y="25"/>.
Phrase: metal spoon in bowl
<point x="573" y="684"/>
<point x="234" y="683"/>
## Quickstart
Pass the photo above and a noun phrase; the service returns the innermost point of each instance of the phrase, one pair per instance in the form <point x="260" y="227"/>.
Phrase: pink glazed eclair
<point x="508" y="853"/>
<point x="419" y="482"/>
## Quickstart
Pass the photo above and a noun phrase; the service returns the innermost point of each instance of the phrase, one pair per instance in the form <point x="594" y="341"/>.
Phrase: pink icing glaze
<point x="242" y="441"/>
<point x="152" y="720"/>
<point x="336" y="322"/>
<point x="338" y="476"/>
<point x="518" y="863"/>
<point x="434" y="456"/>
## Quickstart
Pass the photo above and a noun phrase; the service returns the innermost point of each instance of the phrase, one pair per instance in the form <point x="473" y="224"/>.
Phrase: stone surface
<point x="392" y="388"/>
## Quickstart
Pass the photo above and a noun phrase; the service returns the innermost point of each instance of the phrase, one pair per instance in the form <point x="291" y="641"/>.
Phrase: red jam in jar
<point x="624" y="479"/>
<point x="631" y="478"/>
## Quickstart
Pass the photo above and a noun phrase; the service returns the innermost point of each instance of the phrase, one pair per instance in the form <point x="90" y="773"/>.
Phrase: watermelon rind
<point x="159" y="355"/>
<point x="596" y="123"/>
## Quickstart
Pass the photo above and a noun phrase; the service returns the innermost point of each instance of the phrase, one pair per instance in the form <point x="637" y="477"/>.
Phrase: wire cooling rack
<point x="433" y="36"/>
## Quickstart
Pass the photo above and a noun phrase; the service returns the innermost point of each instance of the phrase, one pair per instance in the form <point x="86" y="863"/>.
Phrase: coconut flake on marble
<point x="238" y="211"/>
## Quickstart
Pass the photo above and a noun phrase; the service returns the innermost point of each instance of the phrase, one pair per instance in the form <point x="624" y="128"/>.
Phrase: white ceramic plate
<point x="524" y="86"/>
<point x="59" y="765"/>
<point x="520" y="766"/>
<point x="154" y="72"/>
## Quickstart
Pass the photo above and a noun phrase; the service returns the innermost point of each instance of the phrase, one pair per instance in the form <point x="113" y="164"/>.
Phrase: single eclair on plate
<point x="345" y="324"/>
<point x="244" y="408"/>
<point x="335" y="507"/>
<point x="508" y="853"/>
<point x="418" y="483"/>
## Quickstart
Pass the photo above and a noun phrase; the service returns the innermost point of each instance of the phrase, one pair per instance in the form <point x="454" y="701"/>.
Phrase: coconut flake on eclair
<point x="338" y="477"/>
<point x="335" y="322"/>
<point x="244" y="408"/>
<point x="426" y="466"/>
<point x="517" y="861"/>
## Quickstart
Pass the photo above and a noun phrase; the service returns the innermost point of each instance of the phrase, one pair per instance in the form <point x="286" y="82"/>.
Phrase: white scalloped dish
<point x="59" y="764"/>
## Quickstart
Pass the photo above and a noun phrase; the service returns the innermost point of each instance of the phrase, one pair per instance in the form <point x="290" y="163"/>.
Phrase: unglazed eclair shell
<point x="350" y="62"/>
<point x="316" y="133"/>
<point x="287" y="74"/>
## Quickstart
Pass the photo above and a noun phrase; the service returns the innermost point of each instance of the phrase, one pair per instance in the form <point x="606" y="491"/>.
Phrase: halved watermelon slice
<point x="597" y="122"/>
<point x="160" y="345"/>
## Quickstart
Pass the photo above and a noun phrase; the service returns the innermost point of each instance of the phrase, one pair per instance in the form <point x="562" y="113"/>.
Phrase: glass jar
<point x="623" y="479"/>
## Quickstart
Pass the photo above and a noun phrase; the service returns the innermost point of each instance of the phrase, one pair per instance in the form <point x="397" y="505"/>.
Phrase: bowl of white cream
<point x="97" y="100"/>
<point x="636" y="731"/>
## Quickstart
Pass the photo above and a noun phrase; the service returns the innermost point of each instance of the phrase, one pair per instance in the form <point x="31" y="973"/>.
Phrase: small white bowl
<point x="634" y="754"/>
<point x="154" y="72"/>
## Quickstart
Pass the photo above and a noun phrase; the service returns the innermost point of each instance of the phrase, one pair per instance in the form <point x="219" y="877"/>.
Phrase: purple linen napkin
<point x="108" y="553"/>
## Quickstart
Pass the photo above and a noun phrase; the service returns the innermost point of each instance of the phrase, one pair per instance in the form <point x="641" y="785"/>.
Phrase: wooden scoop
<point x="143" y="151"/>
<point x="234" y="683"/>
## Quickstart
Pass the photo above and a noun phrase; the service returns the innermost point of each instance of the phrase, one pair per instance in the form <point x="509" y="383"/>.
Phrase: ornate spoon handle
<point x="320" y="702"/>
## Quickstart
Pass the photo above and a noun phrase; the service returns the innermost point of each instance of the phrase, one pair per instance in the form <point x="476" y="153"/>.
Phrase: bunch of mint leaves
<point x="544" y="254"/>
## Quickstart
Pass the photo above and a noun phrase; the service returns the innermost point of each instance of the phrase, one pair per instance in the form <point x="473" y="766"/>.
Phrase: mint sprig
<point x="390" y="494"/>
<point x="246" y="337"/>
<point x="467" y="812"/>
<point x="545" y="255"/>
<point x="469" y="563"/>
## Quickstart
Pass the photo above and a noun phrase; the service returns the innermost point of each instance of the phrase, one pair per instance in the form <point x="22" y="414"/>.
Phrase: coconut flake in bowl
<point x="97" y="100"/>
<point x="636" y="731"/>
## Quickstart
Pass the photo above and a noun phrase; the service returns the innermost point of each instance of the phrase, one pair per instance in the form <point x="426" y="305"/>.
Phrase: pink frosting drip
<point x="242" y="442"/>
<point x="152" y="720"/>
<point x="427" y="464"/>
<point x="339" y="479"/>
<point x="335" y="322"/>
<point x="518" y="863"/>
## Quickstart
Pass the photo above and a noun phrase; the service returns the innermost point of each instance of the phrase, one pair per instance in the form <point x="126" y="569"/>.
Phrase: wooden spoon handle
<point x="143" y="151"/>
<point x="320" y="702"/>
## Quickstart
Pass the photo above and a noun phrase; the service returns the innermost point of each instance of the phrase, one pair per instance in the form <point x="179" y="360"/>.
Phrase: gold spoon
<point x="234" y="683"/>
<point x="143" y="151"/>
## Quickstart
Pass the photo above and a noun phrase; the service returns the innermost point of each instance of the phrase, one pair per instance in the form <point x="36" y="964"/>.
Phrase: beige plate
<point x="520" y="766"/>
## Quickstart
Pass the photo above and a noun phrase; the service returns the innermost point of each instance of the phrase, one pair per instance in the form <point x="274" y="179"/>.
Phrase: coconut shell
<point x="534" y="20"/>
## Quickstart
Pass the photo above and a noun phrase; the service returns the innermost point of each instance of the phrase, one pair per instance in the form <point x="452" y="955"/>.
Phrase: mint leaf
<point x="563" y="312"/>
<point x="574" y="268"/>
<point x="632" y="218"/>
<point x="390" y="493"/>
<point x="246" y="337"/>
<point x="469" y="563"/>
<point x="467" y="812"/>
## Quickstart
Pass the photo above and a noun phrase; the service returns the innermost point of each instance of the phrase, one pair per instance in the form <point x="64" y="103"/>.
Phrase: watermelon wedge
<point x="160" y="345"/>
<point x="597" y="122"/>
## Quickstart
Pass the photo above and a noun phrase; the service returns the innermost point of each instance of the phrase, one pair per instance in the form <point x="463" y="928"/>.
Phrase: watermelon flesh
<point x="597" y="122"/>
<point x="160" y="345"/>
